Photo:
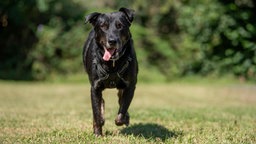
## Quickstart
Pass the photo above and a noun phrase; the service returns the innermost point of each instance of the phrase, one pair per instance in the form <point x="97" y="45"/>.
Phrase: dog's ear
<point x="92" y="18"/>
<point x="129" y="13"/>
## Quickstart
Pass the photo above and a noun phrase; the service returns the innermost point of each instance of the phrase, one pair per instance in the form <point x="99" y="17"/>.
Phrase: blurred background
<point x="43" y="39"/>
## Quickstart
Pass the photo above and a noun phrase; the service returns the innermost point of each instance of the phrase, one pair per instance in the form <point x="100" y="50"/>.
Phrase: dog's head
<point x="111" y="31"/>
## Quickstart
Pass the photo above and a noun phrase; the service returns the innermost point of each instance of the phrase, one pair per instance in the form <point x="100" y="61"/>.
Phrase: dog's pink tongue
<point x="107" y="55"/>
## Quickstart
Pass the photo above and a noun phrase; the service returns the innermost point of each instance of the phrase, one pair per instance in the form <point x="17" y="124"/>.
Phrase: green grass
<point x="160" y="113"/>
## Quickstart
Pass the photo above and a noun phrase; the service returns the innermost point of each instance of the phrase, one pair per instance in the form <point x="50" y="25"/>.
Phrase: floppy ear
<point x="129" y="13"/>
<point x="92" y="18"/>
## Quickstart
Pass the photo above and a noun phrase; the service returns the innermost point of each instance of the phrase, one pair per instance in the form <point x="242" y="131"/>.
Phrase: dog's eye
<point x="104" y="26"/>
<point x="119" y="25"/>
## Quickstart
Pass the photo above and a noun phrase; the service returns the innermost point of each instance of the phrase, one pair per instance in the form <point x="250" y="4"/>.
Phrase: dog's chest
<point x="111" y="77"/>
<point x="114" y="81"/>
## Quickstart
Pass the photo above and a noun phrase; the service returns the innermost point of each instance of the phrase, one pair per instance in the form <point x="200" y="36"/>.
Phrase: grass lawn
<point x="160" y="113"/>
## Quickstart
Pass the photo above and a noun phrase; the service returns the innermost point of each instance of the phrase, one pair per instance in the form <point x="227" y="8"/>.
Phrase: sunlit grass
<point x="162" y="113"/>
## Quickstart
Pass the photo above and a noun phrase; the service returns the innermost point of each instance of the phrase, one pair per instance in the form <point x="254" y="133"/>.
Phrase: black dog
<point x="110" y="61"/>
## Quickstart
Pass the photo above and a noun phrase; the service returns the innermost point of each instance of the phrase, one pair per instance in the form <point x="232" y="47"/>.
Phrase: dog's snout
<point x="112" y="41"/>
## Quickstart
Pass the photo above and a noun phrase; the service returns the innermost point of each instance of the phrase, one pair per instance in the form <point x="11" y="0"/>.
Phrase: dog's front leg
<point x="125" y="98"/>
<point x="98" y="109"/>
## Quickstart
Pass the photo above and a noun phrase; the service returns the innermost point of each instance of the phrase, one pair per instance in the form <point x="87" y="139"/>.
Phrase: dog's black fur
<point x="110" y="61"/>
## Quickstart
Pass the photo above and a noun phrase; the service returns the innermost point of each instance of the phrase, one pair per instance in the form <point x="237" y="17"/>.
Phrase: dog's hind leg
<point x="98" y="109"/>
<point x="125" y="98"/>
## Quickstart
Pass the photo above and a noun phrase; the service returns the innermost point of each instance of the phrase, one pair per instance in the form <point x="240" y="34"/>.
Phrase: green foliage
<point x="36" y="39"/>
<point x="172" y="38"/>
<point x="225" y="34"/>
<point x="56" y="52"/>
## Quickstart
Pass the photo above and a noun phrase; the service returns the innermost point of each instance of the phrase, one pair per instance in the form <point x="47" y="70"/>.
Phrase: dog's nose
<point x="112" y="41"/>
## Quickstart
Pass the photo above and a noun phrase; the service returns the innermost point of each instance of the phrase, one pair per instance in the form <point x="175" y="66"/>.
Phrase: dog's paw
<point x="98" y="132"/>
<point x="122" y="119"/>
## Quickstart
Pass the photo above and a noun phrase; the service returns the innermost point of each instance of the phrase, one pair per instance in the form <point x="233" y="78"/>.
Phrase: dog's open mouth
<point x="109" y="52"/>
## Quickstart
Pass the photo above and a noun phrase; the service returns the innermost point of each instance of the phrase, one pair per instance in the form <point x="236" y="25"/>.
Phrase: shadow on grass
<point x="150" y="131"/>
